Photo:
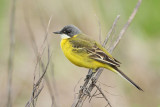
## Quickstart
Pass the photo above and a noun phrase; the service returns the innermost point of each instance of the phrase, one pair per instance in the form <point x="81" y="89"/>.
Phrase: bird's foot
<point x="94" y="80"/>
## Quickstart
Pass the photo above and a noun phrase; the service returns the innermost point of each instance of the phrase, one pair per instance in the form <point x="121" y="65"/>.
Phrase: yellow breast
<point x="67" y="50"/>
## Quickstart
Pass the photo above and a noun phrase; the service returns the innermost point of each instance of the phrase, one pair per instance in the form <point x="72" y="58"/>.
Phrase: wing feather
<point x="101" y="56"/>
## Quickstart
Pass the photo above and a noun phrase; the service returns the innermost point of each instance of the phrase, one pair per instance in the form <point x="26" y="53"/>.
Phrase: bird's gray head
<point x="68" y="31"/>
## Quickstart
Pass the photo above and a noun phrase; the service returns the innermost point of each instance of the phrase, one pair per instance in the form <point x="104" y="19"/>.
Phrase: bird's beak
<point x="58" y="32"/>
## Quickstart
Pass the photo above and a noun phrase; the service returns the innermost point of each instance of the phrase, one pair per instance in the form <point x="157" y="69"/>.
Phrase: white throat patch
<point x="64" y="36"/>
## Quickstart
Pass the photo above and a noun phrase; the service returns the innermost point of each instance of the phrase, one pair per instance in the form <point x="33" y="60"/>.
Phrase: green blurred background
<point x="139" y="50"/>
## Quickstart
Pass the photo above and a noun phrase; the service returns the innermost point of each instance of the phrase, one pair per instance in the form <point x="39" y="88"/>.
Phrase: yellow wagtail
<point x="85" y="52"/>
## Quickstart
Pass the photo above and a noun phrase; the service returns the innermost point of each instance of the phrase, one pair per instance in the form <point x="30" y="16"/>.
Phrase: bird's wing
<point x="102" y="56"/>
<point x="94" y="50"/>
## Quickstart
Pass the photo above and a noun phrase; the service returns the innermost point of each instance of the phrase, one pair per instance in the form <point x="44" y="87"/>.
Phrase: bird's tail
<point x="126" y="77"/>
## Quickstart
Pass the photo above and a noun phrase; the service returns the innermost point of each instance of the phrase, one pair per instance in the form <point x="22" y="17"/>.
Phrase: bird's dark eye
<point x="68" y="31"/>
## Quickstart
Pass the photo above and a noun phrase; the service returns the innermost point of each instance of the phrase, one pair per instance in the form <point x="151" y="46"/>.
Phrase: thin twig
<point x="111" y="93"/>
<point x="94" y="94"/>
<point x="106" y="85"/>
<point x="49" y="87"/>
<point x="36" y="86"/>
<point x="39" y="81"/>
<point x="38" y="55"/>
<point x="46" y="77"/>
<point x="110" y="31"/>
<point x="53" y="81"/>
<point x="126" y="26"/>
<point x="11" y="53"/>
<point x="99" y="25"/>
<point x="103" y="95"/>
<point x="47" y="31"/>
<point x="111" y="41"/>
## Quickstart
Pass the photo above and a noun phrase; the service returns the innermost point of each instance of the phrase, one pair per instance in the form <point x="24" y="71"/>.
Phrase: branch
<point x="38" y="86"/>
<point x="11" y="53"/>
<point x="46" y="77"/>
<point x="88" y="85"/>
<point x="99" y="25"/>
<point x="110" y="31"/>
<point x="126" y="26"/>
<point x="36" y="90"/>
<point x="103" y="95"/>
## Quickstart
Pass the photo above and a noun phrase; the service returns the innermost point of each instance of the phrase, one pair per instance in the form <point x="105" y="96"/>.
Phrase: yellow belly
<point x="80" y="59"/>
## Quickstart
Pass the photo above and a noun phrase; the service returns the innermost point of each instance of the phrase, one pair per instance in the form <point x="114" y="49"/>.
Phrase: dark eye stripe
<point x="68" y="31"/>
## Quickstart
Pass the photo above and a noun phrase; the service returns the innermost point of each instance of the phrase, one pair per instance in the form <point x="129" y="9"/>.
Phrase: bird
<point x="86" y="52"/>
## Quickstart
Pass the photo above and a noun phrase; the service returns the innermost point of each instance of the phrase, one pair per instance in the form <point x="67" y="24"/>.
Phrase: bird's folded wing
<point x="97" y="54"/>
<point x="94" y="51"/>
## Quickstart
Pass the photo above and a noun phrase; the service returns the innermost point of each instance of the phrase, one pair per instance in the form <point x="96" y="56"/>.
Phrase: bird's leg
<point x="94" y="80"/>
<point x="91" y="72"/>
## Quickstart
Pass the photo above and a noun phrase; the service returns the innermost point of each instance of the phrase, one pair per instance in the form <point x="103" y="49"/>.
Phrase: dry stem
<point x="11" y="53"/>
<point x="38" y="86"/>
